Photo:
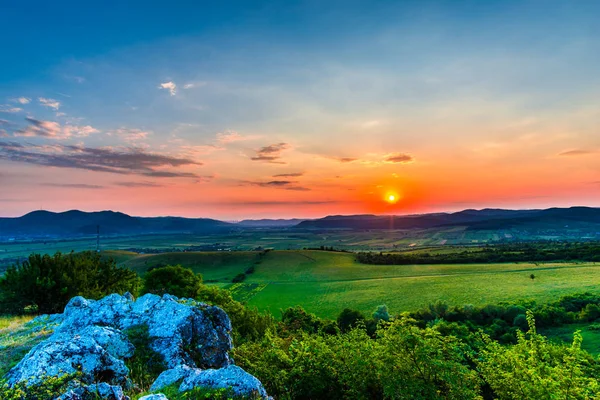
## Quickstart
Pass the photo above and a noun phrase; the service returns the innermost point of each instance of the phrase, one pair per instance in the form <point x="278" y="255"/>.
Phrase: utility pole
<point x="98" y="239"/>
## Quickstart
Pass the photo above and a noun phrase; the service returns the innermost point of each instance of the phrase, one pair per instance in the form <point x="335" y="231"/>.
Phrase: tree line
<point x="490" y="254"/>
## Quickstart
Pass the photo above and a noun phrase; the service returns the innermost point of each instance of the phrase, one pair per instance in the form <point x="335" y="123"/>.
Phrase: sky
<point x="275" y="109"/>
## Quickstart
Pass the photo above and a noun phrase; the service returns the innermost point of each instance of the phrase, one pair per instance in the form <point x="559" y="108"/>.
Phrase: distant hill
<point x="73" y="223"/>
<point x="473" y="219"/>
<point x="270" y="223"/>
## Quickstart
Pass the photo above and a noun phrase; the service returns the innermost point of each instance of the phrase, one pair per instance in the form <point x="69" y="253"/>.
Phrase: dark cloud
<point x="575" y="153"/>
<point x="287" y="185"/>
<point x="271" y="153"/>
<point x="73" y="185"/>
<point x="399" y="158"/>
<point x="131" y="161"/>
<point x="290" y="175"/>
<point x="138" y="184"/>
<point x="346" y="159"/>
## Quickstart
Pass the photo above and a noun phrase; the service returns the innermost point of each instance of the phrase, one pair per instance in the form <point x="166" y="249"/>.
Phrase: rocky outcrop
<point x="90" y="341"/>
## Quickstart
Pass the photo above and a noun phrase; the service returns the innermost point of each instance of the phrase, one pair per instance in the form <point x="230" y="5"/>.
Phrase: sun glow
<point x="392" y="198"/>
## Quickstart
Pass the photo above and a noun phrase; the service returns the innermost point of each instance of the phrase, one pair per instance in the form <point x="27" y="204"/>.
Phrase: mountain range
<point x="70" y="223"/>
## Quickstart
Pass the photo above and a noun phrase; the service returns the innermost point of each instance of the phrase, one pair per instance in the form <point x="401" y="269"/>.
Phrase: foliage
<point x="381" y="313"/>
<point x="519" y="252"/>
<point x="349" y="318"/>
<point x="536" y="369"/>
<point x="46" y="390"/>
<point x="172" y="279"/>
<point x="239" y="278"/>
<point x="45" y="284"/>
<point x="145" y="365"/>
<point x="248" y="323"/>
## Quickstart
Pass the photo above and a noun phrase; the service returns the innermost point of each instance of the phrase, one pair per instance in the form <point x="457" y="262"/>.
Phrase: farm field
<point x="326" y="282"/>
<point x="430" y="240"/>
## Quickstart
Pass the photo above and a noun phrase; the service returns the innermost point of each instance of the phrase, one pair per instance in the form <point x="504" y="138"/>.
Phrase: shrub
<point x="349" y="318"/>
<point x="46" y="283"/>
<point x="239" y="278"/>
<point x="175" y="280"/>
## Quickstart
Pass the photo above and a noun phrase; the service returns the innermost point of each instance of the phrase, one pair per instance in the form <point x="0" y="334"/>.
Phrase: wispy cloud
<point x="170" y="86"/>
<point x="271" y="153"/>
<point x="576" y="152"/>
<point x="4" y="108"/>
<point x="399" y="158"/>
<point x="50" y="103"/>
<point x="129" y="134"/>
<point x="287" y="185"/>
<point x="346" y="159"/>
<point x="191" y="85"/>
<point x="127" y="161"/>
<point x="139" y="184"/>
<point x="232" y="136"/>
<point x="289" y="175"/>
<point x="53" y="130"/>
<point x="73" y="185"/>
<point x="22" y="100"/>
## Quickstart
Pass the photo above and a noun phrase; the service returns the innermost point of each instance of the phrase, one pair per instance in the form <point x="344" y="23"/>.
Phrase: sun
<point x="391" y="198"/>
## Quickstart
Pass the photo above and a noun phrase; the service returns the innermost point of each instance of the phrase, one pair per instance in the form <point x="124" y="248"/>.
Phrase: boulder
<point x="90" y="341"/>
<point x="159" y="396"/>
<point x="239" y="381"/>
<point x="93" y="392"/>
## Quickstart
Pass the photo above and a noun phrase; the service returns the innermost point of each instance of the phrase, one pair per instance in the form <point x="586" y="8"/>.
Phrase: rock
<point x="97" y="352"/>
<point x="93" y="392"/>
<point x="90" y="341"/>
<point x="241" y="383"/>
<point x="158" y="396"/>
<point x="170" y="377"/>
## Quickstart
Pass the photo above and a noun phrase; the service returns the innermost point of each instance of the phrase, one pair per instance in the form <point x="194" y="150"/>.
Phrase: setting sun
<point x="391" y="198"/>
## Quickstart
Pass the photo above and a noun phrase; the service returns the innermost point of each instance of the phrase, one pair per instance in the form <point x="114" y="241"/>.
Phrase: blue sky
<point x="106" y="106"/>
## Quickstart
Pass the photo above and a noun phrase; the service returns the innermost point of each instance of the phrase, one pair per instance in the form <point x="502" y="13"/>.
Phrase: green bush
<point x="45" y="283"/>
<point x="174" y="280"/>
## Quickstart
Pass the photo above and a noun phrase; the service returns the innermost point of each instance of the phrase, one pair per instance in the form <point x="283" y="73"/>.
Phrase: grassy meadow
<point x="326" y="282"/>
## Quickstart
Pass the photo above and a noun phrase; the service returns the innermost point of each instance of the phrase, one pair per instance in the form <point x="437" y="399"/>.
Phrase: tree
<point x="532" y="276"/>
<point x="535" y="368"/>
<point x="45" y="283"/>
<point x="173" y="279"/>
<point x="381" y="313"/>
<point x="349" y="318"/>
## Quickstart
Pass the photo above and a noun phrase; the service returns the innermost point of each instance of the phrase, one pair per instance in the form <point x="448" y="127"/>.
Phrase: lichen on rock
<point x="90" y="340"/>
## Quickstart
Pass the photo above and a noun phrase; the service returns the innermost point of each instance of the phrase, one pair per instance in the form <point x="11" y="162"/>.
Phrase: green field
<point x="327" y="282"/>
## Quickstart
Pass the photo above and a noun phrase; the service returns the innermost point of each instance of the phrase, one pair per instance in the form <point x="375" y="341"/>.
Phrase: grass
<point x="16" y="340"/>
<point x="591" y="336"/>
<point x="327" y="282"/>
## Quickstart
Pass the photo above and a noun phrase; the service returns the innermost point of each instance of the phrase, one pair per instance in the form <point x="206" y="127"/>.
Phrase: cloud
<point x="3" y="134"/>
<point x="129" y="135"/>
<point x="289" y="175"/>
<point x="73" y="185"/>
<point x="53" y="130"/>
<point x="22" y="100"/>
<point x="346" y="159"/>
<point x="51" y="103"/>
<point x="398" y="158"/>
<point x="170" y="86"/>
<point x="232" y="136"/>
<point x="9" y="109"/>
<point x="138" y="184"/>
<point x="271" y="153"/>
<point x="576" y="152"/>
<point x="192" y="85"/>
<point x="130" y="161"/>
<point x="287" y="185"/>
